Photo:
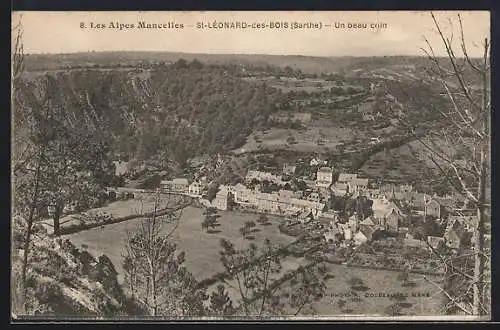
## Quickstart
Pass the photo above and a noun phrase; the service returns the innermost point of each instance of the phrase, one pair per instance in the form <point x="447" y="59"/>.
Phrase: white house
<point x="121" y="167"/>
<point x="194" y="189"/>
<point x="324" y="177"/>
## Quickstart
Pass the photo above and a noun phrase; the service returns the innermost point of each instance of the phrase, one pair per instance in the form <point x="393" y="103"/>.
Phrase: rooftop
<point x="368" y="222"/>
<point x="340" y="185"/>
<point x="180" y="181"/>
<point x="359" y="181"/>
<point x="347" y="176"/>
<point x="240" y="187"/>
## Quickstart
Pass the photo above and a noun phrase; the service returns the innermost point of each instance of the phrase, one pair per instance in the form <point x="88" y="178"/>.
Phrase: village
<point x="396" y="210"/>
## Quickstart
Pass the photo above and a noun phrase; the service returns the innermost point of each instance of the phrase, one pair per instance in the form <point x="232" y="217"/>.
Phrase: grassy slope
<point x="305" y="141"/>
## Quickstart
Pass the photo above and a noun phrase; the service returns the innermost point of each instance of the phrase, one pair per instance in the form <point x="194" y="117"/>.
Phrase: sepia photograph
<point x="231" y="165"/>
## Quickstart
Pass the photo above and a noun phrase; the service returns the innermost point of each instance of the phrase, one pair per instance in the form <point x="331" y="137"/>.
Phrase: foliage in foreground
<point x="64" y="280"/>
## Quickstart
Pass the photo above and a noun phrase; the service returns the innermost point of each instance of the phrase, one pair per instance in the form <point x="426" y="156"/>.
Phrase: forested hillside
<point x="178" y="111"/>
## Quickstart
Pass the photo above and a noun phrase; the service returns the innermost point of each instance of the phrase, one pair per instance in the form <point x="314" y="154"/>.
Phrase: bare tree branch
<point x="464" y="48"/>
<point x="459" y="305"/>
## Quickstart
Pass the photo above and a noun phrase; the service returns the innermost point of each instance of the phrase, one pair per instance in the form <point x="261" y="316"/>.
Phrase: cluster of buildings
<point x="393" y="207"/>
<point x="182" y="186"/>
<point x="349" y="183"/>
<point x="283" y="202"/>
<point x="393" y="210"/>
<point x="387" y="215"/>
<point x="263" y="176"/>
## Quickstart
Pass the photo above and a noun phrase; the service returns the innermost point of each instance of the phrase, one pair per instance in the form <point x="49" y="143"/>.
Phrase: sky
<point x="403" y="34"/>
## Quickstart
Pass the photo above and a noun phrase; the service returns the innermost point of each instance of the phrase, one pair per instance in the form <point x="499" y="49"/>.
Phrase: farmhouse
<point x="195" y="189"/>
<point x="324" y="177"/>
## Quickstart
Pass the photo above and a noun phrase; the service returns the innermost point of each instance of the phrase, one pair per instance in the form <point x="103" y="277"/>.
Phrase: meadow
<point x="310" y="139"/>
<point x="427" y="300"/>
<point x="203" y="260"/>
<point x="201" y="248"/>
<point x="115" y="210"/>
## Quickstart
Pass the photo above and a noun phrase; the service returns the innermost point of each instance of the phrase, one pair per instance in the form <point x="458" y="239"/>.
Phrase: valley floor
<point x="202" y="259"/>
